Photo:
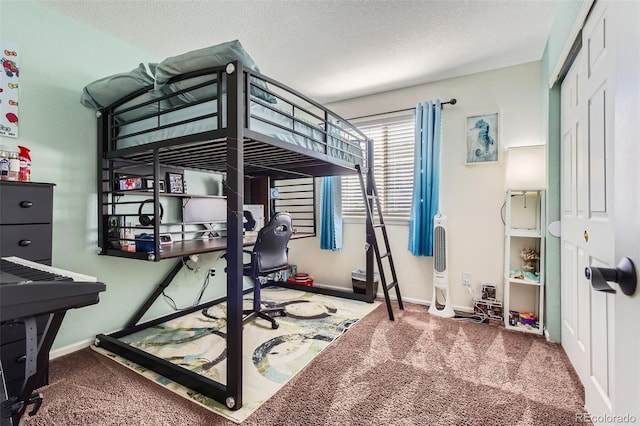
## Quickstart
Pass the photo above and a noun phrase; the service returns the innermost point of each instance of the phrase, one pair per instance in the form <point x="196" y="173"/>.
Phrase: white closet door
<point x="587" y="211"/>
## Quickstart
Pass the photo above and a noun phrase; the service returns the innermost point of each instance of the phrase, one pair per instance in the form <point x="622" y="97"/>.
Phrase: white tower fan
<point x="440" y="269"/>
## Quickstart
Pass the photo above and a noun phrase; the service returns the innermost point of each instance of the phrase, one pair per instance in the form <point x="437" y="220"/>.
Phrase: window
<point x="393" y="169"/>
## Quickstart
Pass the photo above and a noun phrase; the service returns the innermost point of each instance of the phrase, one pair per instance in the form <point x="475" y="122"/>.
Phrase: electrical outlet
<point x="466" y="279"/>
<point x="212" y="272"/>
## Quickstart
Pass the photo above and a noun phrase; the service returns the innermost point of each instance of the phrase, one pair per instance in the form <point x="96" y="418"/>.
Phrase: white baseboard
<point x="71" y="348"/>
<point x="406" y="299"/>
<point x="461" y="308"/>
<point x="66" y="350"/>
<point x="427" y="302"/>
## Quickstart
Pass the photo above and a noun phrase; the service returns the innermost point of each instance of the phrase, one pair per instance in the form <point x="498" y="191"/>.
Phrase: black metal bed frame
<point x="236" y="150"/>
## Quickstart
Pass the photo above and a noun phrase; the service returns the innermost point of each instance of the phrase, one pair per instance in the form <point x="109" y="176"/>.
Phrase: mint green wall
<point x="565" y="18"/>
<point x="58" y="57"/>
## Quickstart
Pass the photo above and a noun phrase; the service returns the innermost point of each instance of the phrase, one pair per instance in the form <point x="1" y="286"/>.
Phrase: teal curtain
<point x="426" y="178"/>
<point x="331" y="213"/>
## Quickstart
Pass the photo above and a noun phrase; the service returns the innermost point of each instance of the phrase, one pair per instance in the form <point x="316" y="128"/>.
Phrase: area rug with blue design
<point x="270" y="357"/>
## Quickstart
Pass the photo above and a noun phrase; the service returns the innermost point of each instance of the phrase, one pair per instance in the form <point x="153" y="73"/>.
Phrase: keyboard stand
<point x="14" y="407"/>
<point x="29" y="290"/>
<point x="4" y="421"/>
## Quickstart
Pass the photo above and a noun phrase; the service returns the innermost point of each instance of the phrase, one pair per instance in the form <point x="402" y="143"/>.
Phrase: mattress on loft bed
<point x="263" y="120"/>
<point x="190" y="80"/>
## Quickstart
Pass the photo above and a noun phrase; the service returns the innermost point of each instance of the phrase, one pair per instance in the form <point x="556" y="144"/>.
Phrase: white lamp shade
<point x="527" y="167"/>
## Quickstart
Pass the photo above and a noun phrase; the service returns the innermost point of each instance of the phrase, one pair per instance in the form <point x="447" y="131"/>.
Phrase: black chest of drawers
<point x="25" y="220"/>
<point x="26" y="210"/>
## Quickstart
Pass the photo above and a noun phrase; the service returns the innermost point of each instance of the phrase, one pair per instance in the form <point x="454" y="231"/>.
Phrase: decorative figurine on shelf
<point x="529" y="257"/>
<point x="532" y="276"/>
<point x="514" y="273"/>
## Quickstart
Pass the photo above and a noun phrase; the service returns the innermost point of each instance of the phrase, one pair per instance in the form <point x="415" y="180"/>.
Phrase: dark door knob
<point x="624" y="274"/>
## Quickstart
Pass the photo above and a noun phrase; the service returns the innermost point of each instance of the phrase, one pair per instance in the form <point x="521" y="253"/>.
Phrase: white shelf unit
<point x="524" y="228"/>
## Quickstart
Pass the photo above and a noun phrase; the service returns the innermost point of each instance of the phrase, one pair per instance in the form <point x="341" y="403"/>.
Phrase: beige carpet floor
<point x="418" y="370"/>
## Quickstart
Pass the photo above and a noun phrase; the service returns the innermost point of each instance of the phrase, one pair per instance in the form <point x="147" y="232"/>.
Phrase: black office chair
<point x="269" y="255"/>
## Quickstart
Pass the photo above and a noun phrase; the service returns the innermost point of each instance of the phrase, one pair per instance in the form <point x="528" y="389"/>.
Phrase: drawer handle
<point x="24" y="243"/>
<point x="21" y="359"/>
<point x="26" y="204"/>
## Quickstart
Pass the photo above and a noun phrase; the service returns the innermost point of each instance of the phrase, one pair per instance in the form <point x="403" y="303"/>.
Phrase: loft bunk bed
<point x="230" y="120"/>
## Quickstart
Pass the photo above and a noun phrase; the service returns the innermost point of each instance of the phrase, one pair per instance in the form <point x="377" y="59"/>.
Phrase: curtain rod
<point x="453" y="101"/>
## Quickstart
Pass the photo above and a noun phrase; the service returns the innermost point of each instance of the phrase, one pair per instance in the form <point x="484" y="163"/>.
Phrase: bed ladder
<point x="370" y="194"/>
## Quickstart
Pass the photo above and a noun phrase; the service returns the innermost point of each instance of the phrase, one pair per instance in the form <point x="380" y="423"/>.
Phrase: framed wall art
<point x="175" y="183"/>
<point x="482" y="138"/>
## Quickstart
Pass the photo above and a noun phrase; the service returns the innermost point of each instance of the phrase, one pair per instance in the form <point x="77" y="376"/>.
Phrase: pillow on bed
<point x="145" y="110"/>
<point x="152" y="67"/>
<point x="212" y="56"/>
<point x="105" y="91"/>
<point x="194" y="95"/>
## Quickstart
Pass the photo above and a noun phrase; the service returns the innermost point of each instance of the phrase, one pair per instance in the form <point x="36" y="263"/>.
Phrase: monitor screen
<point x="205" y="210"/>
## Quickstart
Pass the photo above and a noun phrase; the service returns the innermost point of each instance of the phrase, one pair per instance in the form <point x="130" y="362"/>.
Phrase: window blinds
<point x="393" y="169"/>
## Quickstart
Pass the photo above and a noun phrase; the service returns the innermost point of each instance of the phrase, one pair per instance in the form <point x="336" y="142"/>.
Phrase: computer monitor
<point x="211" y="212"/>
<point x="205" y="210"/>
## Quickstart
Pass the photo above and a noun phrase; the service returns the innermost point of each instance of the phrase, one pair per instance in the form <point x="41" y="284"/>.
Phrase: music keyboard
<point x="33" y="271"/>
<point x="29" y="295"/>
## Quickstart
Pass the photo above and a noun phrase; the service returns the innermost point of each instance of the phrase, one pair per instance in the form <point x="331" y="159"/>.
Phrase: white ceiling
<point x="334" y="50"/>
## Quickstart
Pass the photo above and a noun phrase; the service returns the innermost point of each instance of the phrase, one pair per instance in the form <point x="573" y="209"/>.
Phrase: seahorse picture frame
<point x="482" y="138"/>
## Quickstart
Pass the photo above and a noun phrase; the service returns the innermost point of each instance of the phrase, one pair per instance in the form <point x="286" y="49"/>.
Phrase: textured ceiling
<point x="334" y="50"/>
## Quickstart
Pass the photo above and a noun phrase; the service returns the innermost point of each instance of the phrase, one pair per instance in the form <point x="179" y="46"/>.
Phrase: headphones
<point x="250" y="223"/>
<point x="146" y="220"/>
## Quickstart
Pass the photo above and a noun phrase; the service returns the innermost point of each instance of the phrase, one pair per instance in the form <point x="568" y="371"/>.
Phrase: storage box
<point x="145" y="243"/>
<point x="359" y="281"/>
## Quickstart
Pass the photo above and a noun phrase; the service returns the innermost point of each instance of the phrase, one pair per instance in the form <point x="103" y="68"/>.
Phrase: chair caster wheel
<point x="275" y="325"/>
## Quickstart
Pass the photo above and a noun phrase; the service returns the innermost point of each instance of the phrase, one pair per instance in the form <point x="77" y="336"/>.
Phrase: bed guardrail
<point x="195" y="103"/>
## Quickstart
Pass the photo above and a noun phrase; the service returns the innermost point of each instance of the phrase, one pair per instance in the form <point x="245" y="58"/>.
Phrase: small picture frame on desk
<point x="166" y="239"/>
<point x="175" y="183"/>
<point x="150" y="186"/>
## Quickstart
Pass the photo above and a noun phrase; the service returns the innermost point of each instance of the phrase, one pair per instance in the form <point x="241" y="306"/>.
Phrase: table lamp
<point x="526" y="167"/>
